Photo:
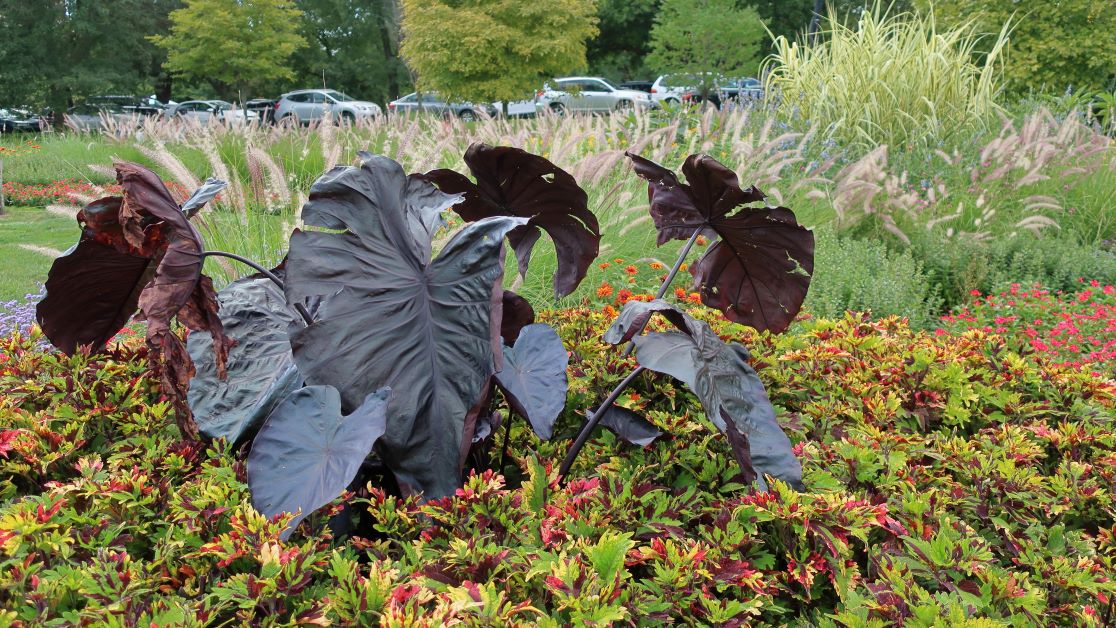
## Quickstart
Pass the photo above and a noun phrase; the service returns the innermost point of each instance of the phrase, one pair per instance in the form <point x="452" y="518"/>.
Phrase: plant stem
<point x="666" y="282"/>
<point x="507" y="441"/>
<point x="593" y="421"/>
<point x="266" y="273"/>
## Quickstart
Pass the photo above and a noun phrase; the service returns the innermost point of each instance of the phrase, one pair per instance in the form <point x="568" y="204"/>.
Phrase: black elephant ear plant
<point x="756" y="272"/>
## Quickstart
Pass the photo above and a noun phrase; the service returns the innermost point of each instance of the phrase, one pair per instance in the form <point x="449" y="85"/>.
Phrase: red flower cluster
<point x="1070" y="329"/>
<point x="63" y="191"/>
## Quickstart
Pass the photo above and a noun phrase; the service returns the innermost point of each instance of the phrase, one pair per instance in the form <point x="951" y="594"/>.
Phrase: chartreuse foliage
<point x="949" y="481"/>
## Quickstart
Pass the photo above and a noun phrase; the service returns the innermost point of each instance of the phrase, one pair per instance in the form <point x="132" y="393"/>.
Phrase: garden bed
<point x="950" y="475"/>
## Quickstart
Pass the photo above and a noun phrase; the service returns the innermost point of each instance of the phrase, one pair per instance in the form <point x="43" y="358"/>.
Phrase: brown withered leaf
<point x="136" y="251"/>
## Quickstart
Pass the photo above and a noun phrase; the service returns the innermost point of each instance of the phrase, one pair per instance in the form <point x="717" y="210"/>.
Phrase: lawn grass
<point x="21" y="228"/>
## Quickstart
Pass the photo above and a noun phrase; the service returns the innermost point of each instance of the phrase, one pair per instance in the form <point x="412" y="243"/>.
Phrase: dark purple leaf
<point x="307" y="453"/>
<point x="430" y="331"/>
<point x="534" y="377"/>
<point x="261" y="370"/>
<point x="513" y="182"/>
<point x="629" y="426"/>
<point x="730" y="392"/>
<point x="518" y="313"/>
<point x="758" y="271"/>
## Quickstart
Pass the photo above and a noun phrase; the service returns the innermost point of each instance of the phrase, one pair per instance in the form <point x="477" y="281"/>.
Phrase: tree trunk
<point x="815" y="21"/>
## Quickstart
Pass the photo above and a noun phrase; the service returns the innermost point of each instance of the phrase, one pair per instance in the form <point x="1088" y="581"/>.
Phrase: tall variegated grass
<point x="889" y="79"/>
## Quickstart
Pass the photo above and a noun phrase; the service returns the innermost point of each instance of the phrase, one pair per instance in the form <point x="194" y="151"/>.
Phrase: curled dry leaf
<point x="138" y="250"/>
<point x="512" y="182"/>
<point x="758" y="271"/>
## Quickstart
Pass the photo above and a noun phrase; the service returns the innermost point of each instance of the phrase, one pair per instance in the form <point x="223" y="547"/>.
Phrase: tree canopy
<point x="1054" y="44"/>
<point x="486" y="50"/>
<point x="236" y="44"/>
<point x="698" y="36"/>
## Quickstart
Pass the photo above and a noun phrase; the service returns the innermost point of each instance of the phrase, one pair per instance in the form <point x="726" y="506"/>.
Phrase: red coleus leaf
<point x="758" y="271"/>
<point x="136" y="251"/>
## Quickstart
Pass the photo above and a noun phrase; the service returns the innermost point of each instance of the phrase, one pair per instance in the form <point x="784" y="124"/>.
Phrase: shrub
<point x="890" y="79"/>
<point x="864" y="275"/>
<point x="962" y="267"/>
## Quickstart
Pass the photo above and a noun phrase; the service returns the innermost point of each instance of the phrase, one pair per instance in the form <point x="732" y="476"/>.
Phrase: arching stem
<point x="583" y="436"/>
<point x="266" y="273"/>
<point x="669" y="278"/>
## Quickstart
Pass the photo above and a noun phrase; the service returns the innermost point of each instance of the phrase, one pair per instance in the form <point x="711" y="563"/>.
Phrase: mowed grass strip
<point x="29" y="236"/>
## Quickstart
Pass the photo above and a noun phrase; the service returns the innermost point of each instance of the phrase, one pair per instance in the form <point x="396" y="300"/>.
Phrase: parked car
<point x="264" y="109"/>
<point x="736" y="91"/>
<point x="639" y="86"/>
<point x="517" y="108"/>
<point x="669" y="88"/>
<point x="589" y="94"/>
<point x="92" y="117"/>
<point x="433" y="103"/>
<point x="305" y="105"/>
<point x="203" y="111"/>
<point x="145" y="106"/>
<point x="19" y="120"/>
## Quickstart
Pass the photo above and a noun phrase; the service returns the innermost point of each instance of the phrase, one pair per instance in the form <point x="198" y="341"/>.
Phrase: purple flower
<point x="18" y="316"/>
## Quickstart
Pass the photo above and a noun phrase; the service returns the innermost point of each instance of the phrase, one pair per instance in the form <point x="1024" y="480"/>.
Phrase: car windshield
<point x="339" y="97"/>
<point x="220" y="105"/>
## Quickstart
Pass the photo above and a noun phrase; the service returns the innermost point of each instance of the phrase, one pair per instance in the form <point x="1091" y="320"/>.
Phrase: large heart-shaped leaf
<point x="307" y="453"/>
<point x="534" y="377"/>
<point x="136" y="251"/>
<point x="758" y="271"/>
<point x="430" y="331"/>
<point x="512" y="182"/>
<point x="261" y="370"/>
<point x="730" y="392"/>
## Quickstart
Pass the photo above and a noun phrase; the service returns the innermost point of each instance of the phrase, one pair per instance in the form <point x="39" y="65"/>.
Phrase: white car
<point x="589" y="94"/>
<point x="203" y="111"/>
<point x="306" y="105"/>
<point x="669" y="88"/>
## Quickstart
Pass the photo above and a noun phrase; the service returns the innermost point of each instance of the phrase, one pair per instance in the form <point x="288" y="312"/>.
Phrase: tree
<point x="486" y="50"/>
<point x="238" y="45"/>
<point x="620" y="50"/>
<point x="1055" y="44"/>
<point x="53" y="52"/>
<point x="354" y="46"/>
<point x="701" y="36"/>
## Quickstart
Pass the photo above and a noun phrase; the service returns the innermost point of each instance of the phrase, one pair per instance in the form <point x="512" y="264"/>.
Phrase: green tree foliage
<point x="235" y="44"/>
<point x="53" y="52"/>
<point x="485" y="50"/>
<point x="620" y="50"/>
<point x="355" y="45"/>
<point x="695" y="36"/>
<point x="1055" y="44"/>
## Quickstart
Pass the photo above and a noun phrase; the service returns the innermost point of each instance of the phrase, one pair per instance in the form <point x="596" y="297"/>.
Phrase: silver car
<point x="307" y="105"/>
<point x="95" y="117"/>
<point x="433" y="103"/>
<point x="589" y="94"/>
<point x="203" y="111"/>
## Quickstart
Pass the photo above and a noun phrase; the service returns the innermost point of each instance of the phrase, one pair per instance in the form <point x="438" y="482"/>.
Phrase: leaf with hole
<point x="512" y="182"/>
<point x="758" y="270"/>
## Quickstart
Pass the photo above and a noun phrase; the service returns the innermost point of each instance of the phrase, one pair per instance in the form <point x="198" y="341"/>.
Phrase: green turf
<point x="20" y="227"/>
